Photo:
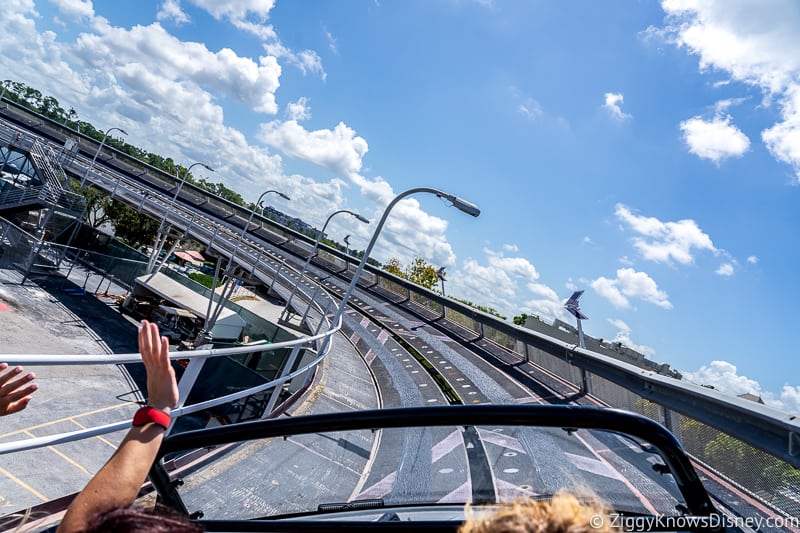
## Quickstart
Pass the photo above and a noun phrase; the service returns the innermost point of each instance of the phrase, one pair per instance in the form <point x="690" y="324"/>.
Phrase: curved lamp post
<point x="159" y="244"/>
<point x="285" y="311"/>
<point x="253" y="212"/>
<point x="91" y="165"/>
<point x="462" y="205"/>
<point x="227" y="290"/>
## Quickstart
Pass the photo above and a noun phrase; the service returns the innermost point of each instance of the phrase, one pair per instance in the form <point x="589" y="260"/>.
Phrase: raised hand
<point x="15" y="389"/>
<point x="162" y="388"/>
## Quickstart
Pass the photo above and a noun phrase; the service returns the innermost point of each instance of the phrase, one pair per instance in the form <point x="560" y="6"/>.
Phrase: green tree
<point x="97" y="202"/>
<point x="422" y="273"/>
<point x="394" y="267"/>
<point x="520" y="319"/>
<point x="132" y="226"/>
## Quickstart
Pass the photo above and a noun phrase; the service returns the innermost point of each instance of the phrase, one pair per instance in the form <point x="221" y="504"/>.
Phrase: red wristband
<point x="149" y="414"/>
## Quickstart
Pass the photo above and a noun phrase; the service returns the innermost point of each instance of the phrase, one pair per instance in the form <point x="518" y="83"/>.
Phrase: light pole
<point x="347" y="252"/>
<point x="246" y="226"/>
<point x="462" y="205"/>
<point x="161" y="237"/>
<point x="285" y="312"/>
<point x="91" y="165"/>
<point x="442" y="275"/>
<point x="227" y="290"/>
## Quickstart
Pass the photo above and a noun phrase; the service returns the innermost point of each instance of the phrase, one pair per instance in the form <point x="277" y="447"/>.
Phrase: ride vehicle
<point x="416" y="468"/>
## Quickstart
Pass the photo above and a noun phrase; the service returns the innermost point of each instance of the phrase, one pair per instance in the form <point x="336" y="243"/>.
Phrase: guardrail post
<point x="276" y="392"/>
<point x="586" y="382"/>
<point x="189" y="378"/>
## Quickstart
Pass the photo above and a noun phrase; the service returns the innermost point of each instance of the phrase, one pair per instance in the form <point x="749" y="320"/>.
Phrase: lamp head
<point x="461" y="204"/>
<point x="361" y="218"/>
<point x="283" y="195"/>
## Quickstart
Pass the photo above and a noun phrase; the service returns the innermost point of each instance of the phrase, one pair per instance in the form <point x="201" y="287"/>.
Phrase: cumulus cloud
<point x="725" y="269"/>
<point x="75" y="9"/>
<point x="624" y="337"/>
<point x="665" y="242"/>
<point x="179" y="66"/>
<point x="754" y="42"/>
<point x="171" y="10"/>
<point x="299" y="110"/>
<point x="613" y="103"/>
<point x="503" y="281"/>
<point x="247" y="15"/>
<point x="716" y="139"/>
<point x="630" y="284"/>
<point x="339" y="150"/>
<point x="752" y="260"/>
<point x="724" y="377"/>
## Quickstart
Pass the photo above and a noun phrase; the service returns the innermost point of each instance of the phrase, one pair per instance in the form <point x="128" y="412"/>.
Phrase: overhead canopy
<point x="182" y="296"/>
<point x="197" y="255"/>
<point x="186" y="256"/>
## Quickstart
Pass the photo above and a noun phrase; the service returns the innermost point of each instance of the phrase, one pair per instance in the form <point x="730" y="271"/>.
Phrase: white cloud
<point x="668" y="241"/>
<point x="725" y="269"/>
<point x="630" y="284"/>
<point x="307" y="61"/>
<point x="724" y="377"/>
<point x="624" y="336"/>
<point x="246" y="15"/>
<point x="752" y="260"/>
<point x="511" y="248"/>
<point x="339" y="150"/>
<point x="502" y="282"/>
<point x="613" y="103"/>
<point x="332" y="44"/>
<point x="177" y="66"/>
<point x="716" y="139"/>
<point x="754" y="42"/>
<point x="530" y="109"/>
<point x="299" y="110"/>
<point x="171" y="10"/>
<point x="76" y="9"/>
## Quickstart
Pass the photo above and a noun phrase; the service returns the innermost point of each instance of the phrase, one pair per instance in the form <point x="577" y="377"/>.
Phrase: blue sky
<point x="647" y="152"/>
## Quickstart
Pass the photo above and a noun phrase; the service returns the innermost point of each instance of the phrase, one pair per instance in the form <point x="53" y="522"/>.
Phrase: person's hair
<point x="564" y="513"/>
<point x="134" y="519"/>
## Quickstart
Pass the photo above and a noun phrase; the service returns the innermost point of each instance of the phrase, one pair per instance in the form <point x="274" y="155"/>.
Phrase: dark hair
<point x="133" y="519"/>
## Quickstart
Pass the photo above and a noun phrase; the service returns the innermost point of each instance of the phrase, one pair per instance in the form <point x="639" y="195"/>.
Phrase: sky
<point x="646" y="152"/>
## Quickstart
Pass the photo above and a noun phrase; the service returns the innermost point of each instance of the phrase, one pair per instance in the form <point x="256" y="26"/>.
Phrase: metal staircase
<point x="50" y="193"/>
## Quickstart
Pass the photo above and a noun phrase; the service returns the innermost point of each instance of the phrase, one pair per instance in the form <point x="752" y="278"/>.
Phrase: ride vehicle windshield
<point x="421" y="466"/>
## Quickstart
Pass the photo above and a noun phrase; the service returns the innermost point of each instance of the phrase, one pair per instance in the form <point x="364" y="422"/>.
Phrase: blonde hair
<point x="564" y="513"/>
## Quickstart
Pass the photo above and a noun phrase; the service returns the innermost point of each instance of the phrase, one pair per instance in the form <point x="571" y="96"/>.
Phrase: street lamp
<point x="574" y="309"/>
<point x="347" y="252"/>
<point x="227" y="290"/>
<point x="161" y="240"/>
<point x="442" y="275"/>
<point x="91" y="165"/>
<point x="285" y="311"/>
<point x="462" y="205"/>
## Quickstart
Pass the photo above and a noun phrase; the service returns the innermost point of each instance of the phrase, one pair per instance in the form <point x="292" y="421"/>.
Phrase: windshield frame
<point x="567" y="417"/>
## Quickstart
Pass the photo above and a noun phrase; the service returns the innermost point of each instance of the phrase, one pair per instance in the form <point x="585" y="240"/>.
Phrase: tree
<point x="520" y="319"/>
<point x="394" y="267"/>
<point x="133" y="227"/>
<point x="422" y="273"/>
<point x="96" y="204"/>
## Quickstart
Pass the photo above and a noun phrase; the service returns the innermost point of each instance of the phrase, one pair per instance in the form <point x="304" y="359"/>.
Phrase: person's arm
<point x="117" y="484"/>
<point x="15" y="393"/>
